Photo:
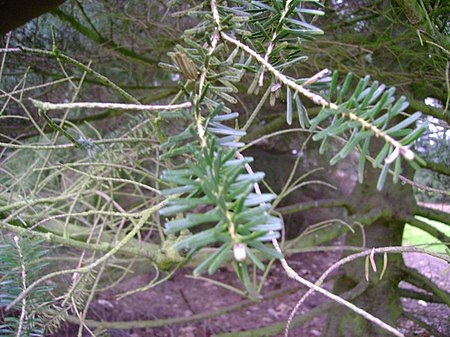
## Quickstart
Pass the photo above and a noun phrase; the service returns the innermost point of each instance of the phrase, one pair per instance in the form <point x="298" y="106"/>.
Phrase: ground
<point x="182" y="296"/>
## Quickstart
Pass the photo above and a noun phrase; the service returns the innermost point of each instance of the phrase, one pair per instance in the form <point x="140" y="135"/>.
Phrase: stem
<point x="105" y="257"/>
<point x="96" y="105"/>
<point x="315" y="98"/>
<point x="307" y="205"/>
<point x="340" y="263"/>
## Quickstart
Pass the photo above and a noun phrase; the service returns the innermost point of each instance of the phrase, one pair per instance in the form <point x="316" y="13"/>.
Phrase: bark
<point x="14" y="13"/>
<point x="381" y="298"/>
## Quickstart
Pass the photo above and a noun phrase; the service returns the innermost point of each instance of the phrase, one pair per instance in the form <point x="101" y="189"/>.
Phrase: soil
<point x="182" y="296"/>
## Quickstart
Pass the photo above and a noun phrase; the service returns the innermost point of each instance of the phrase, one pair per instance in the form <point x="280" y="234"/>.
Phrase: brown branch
<point x="275" y="329"/>
<point x="419" y="295"/>
<point x="413" y="277"/>
<point x="307" y="205"/>
<point x="94" y="36"/>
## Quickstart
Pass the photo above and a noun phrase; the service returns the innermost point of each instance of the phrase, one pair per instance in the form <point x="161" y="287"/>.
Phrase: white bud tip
<point x="408" y="154"/>
<point x="239" y="252"/>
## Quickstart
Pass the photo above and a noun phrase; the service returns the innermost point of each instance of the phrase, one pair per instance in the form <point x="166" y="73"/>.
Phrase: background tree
<point x="130" y="39"/>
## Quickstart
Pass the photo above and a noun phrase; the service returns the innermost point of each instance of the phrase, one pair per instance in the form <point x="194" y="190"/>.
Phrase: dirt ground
<point x="182" y="296"/>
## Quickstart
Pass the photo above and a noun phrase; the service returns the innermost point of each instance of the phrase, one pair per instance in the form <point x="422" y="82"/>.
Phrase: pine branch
<point x="319" y="100"/>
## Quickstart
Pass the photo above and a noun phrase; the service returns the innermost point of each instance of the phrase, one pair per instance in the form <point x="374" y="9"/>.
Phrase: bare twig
<point x="96" y="105"/>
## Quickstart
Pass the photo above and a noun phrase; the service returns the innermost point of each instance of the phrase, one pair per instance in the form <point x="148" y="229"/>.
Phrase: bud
<point x="239" y="252"/>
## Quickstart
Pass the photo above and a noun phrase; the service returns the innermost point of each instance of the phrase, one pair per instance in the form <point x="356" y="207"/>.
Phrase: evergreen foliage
<point x="178" y="167"/>
<point x="21" y="264"/>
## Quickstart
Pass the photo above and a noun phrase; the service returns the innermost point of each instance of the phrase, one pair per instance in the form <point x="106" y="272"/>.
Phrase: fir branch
<point x="315" y="98"/>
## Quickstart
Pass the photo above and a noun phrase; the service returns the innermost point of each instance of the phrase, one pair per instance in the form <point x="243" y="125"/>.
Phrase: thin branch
<point x="275" y="329"/>
<point x="96" y="105"/>
<point x="94" y="36"/>
<point x="149" y="252"/>
<point x="340" y="263"/>
<point x="319" y="100"/>
<point x="70" y="145"/>
<point x="115" y="249"/>
<point x="307" y="205"/>
<point x="419" y="295"/>
<point x="293" y="274"/>
<point x="59" y="55"/>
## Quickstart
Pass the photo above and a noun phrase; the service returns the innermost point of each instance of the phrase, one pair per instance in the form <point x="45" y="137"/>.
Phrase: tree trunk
<point x="14" y="13"/>
<point x="381" y="297"/>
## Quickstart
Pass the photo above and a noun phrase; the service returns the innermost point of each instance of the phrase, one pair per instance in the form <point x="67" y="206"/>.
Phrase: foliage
<point x="167" y="183"/>
<point x="21" y="264"/>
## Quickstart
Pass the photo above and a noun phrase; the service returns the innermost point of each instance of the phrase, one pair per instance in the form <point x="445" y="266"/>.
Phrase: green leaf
<point x="404" y="123"/>
<point x="415" y="134"/>
<point x="256" y="199"/>
<point x="198" y="240"/>
<point x="252" y="177"/>
<point x="362" y="160"/>
<point x="333" y="85"/>
<point x="289" y="106"/>
<point x="269" y="252"/>
<point x="172" y="210"/>
<point x="255" y="259"/>
<point x="178" y="190"/>
<point x="302" y="115"/>
<point x="382" y="177"/>
<point x="221" y="255"/>
<point x="252" y="212"/>
<point x="192" y="220"/>
<point x="381" y="155"/>
<point x="345" y="87"/>
<point x="397" y="169"/>
<point x="226" y="117"/>
<point x="225" y="130"/>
